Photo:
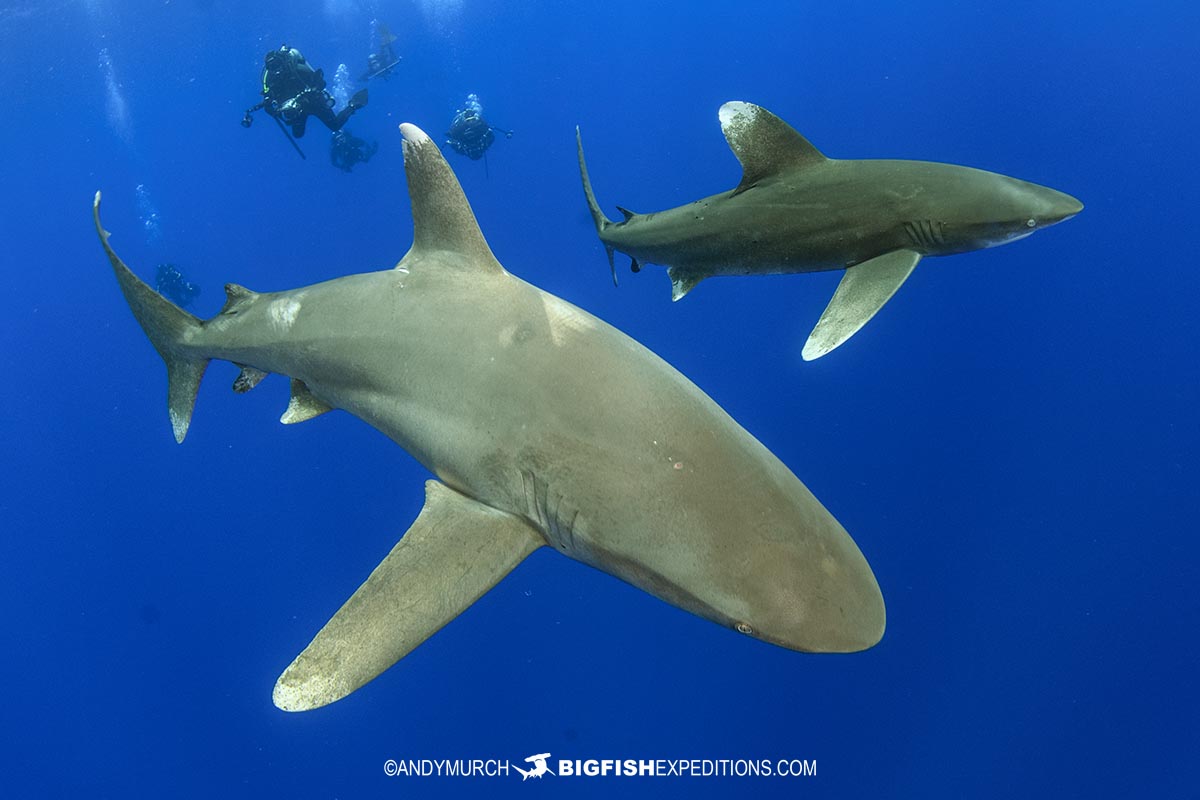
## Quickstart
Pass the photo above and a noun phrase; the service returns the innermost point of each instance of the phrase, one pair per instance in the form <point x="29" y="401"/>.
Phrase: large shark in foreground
<point x="797" y="211"/>
<point x="543" y="426"/>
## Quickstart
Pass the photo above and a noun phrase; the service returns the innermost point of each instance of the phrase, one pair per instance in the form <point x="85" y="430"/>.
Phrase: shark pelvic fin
<point x="864" y="289"/>
<point x="763" y="143"/>
<point x="442" y="217"/>
<point x="303" y="405"/>
<point x="682" y="281"/>
<point x="455" y="551"/>
<point x="168" y="327"/>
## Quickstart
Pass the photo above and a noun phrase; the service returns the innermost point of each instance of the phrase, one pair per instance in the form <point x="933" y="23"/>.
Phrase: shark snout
<point x="1065" y="206"/>
<point x="1056" y="207"/>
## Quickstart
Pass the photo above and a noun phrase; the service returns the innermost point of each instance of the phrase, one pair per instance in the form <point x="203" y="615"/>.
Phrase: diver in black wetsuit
<point x="346" y="150"/>
<point x="470" y="134"/>
<point x="293" y="91"/>
<point x="381" y="63"/>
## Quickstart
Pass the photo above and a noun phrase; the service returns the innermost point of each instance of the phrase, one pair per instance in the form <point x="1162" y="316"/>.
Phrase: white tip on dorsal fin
<point x="442" y="217"/>
<point x="763" y="142"/>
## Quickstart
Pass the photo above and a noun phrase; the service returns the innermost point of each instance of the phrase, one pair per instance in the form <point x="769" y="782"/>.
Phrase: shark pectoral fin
<point x="763" y="143"/>
<point x="864" y="289"/>
<point x="682" y="281"/>
<point x="303" y="405"/>
<point x="455" y="551"/>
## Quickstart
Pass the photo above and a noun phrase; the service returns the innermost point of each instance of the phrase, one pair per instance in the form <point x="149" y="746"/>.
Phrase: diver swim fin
<point x="358" y="100"/>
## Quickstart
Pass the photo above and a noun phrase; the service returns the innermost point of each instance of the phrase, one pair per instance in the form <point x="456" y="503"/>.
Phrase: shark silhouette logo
<point x="539" y="767"/>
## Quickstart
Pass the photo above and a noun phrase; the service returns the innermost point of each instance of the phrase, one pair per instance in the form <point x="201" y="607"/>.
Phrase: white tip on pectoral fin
<point x="456" y="550"/>
<point x="864" y="289"/>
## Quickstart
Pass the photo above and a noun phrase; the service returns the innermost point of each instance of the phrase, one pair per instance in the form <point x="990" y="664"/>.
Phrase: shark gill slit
<point x="924" y="233"/>
<point x="538" y="498"/>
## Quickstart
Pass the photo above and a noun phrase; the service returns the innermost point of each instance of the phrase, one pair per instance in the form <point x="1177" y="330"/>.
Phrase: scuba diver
<point x="470" y="134"/>
<point x="346" y="150"/>
<point x="293" y="90"/>
<point x="381" y="63"/>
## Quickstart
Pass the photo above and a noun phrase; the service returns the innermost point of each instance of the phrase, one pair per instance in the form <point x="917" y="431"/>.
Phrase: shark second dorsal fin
<point x="442" y="217"/>
<point x="763" y="143"/>
<point x="236" y="297"/>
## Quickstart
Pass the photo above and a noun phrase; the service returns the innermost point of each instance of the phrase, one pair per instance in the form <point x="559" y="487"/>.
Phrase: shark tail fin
<point x="598" y="217"/>
<point x="168" y="326"/>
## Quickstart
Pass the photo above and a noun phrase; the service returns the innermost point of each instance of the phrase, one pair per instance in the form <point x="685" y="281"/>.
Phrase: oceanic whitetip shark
<point x="797" y="211"/>
<point x="543" y="426"/>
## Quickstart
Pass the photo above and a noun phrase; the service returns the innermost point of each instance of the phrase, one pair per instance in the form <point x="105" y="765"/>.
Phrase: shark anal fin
<point x="303" y="405"/>
<point x="682" y="281"/>
<point x="864" y="289"/>
<point x="248" y="378"/>
<point x="763" y="143"/>
<point x="626" y="213"/>
<point x="455" y="551"/>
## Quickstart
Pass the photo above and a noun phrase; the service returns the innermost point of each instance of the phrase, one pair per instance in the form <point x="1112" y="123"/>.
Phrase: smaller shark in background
<point x="797" y="211"/>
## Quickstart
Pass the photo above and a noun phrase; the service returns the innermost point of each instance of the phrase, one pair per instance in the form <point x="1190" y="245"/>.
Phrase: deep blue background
<point x="1012" y="441"/>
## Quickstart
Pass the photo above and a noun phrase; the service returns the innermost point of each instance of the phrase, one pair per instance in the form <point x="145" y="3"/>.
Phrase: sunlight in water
<point x="115" y="105"/>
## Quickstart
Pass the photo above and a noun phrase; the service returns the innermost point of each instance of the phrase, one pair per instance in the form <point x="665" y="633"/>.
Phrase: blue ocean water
<point x="1011" y="442"/>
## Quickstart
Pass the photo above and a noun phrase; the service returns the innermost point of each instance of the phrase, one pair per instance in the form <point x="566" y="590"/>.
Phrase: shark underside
<point x="543" y="426"/>
<point x="797" y="211"/>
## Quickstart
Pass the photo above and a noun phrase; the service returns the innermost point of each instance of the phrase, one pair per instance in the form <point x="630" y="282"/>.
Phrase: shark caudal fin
<point x="598" y="217"/>
<point x="168" y="326"/>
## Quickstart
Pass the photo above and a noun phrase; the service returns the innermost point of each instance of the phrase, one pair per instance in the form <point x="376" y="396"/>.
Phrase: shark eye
<point x="1031" y="223"/>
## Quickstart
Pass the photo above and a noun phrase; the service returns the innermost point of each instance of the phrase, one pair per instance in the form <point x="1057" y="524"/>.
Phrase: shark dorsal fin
<point x="442" y="217"/>
<point x="763" y="142"/>
<point x="236" y="296"/>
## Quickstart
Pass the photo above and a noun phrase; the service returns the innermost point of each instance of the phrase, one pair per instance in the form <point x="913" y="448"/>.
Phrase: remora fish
<point x="543" y="425"/>
<point x="797" y="211"/>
